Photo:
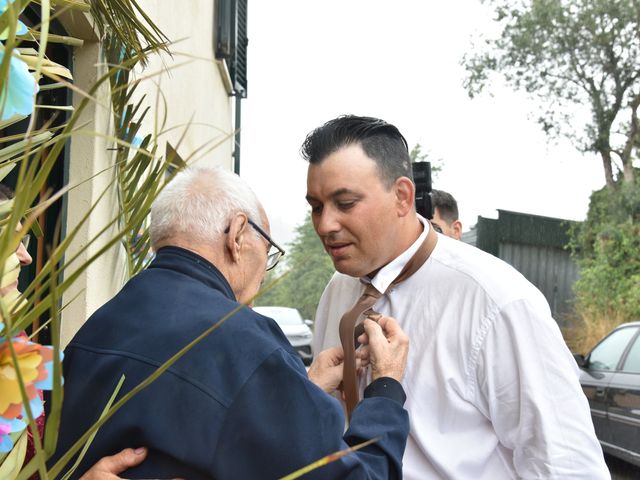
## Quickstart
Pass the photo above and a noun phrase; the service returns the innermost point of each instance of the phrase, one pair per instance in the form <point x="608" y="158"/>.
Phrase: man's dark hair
<point x="446" y="205"/>
<point x="381" y="141"/>
<point x="5" y="192"/>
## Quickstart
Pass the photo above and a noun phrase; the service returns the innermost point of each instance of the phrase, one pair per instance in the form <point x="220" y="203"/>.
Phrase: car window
<point x="632" y="362"/>
<point x="607" y="354"/>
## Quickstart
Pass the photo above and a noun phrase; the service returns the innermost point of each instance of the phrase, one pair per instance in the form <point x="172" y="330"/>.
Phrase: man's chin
<point x="347" y="267"/>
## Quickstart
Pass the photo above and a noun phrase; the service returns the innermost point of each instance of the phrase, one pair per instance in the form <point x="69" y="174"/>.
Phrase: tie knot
<point x="371" y="291"/>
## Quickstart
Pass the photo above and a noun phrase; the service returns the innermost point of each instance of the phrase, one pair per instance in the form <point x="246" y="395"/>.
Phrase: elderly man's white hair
<point x="198" y="204"/>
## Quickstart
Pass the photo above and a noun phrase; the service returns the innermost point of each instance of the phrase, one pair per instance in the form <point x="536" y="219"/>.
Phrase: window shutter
<point x="231" y="41"/>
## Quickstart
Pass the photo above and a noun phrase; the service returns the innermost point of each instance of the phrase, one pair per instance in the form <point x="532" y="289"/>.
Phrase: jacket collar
<point x="193" y="265"/>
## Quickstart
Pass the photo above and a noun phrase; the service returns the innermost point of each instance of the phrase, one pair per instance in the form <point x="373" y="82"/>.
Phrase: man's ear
<point x="237" y="235"/>
<point x="405" y="192"/>
<point x="456" y="226"/>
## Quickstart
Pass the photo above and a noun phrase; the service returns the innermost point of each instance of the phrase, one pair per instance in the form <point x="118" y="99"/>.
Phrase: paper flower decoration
<point x="22" y="28"/>
<point x="16" y="96"/>
<point x="35" y="363"/>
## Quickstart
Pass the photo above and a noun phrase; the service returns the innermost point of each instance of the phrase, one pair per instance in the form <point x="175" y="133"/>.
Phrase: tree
<point x="568" y="54"/>
<point x="308" y="269"/>
<point x="607" y="248"/>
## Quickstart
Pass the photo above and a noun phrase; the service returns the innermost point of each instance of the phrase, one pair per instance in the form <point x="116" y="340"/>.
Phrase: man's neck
<point x="205" y="252"/>
<point x="409" y="233"/>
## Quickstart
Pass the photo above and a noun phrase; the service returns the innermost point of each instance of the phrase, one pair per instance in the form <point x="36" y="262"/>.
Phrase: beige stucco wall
<point x="88" y="155"/>
<point x="194" y="91"/>
<point x="191" y="84"/>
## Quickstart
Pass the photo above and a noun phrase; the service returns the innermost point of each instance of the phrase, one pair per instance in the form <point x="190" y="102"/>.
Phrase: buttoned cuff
<point x="386" y="387"/>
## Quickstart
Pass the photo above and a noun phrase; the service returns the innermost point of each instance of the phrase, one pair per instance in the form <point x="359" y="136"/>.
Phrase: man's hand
<point x="387" y="347"/>
<point x="108" y="468"/>
<point x="326" y="369"/>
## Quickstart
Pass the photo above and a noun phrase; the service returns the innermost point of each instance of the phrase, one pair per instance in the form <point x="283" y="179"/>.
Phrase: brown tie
<point x="362" y="308"/>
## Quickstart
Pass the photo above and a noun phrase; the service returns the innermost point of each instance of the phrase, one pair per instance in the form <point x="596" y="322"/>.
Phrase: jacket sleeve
<point x="280" y="422"/>
<point x="527" y="385"/>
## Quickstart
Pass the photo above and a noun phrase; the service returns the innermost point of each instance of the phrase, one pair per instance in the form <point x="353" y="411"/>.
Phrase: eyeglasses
<point x="273" y="258"/>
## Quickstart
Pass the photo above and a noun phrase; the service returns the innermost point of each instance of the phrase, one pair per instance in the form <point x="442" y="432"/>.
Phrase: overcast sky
<point x="311" y="60"/>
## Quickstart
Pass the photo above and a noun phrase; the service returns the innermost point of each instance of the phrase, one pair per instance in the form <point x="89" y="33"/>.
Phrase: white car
<point x="294" y="327"/>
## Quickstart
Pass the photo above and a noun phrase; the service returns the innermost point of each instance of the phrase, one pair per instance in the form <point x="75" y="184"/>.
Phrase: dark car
<point x="610" y="378"/>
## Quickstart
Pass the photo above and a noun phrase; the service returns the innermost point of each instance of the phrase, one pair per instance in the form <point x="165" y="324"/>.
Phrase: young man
<point x="240" y="403"/>
<point x="492" y="390"/>
<point x="445" y="214"/>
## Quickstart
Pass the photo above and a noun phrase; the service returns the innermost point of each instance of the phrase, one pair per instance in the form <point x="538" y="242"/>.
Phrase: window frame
<point x="625" y="351"/>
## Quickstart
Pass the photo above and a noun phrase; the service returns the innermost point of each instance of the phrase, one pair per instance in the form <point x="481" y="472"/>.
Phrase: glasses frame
<point x="272" y="258"/>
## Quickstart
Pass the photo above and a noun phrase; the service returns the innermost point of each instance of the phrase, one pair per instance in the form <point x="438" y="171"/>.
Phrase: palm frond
<point x="121" y="20"/>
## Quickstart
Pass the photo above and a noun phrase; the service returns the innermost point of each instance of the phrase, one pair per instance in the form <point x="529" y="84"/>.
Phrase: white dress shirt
<point x="492" y="390"/>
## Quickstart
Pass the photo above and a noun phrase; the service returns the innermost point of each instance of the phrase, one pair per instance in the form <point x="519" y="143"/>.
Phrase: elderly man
<point x="239" y="404"/>
<point x="445" y="214"/>
<point x="492" y="390"/>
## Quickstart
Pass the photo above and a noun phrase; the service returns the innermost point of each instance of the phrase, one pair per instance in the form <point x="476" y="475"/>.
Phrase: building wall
<point x="193" y="90"/>
<point x="198" y="106"/>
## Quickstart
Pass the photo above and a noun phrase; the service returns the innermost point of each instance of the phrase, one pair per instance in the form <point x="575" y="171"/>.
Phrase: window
<point x="607" y="354"/>
<point x="632" y="362"/>
<point x="231" y="41"/>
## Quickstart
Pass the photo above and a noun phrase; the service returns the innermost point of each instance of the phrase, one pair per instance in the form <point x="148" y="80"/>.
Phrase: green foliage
<point x="308" y="267"/>
<point x="570" y="54"/>
<point x="140" y="172"/>
<point x="607" y="248"/>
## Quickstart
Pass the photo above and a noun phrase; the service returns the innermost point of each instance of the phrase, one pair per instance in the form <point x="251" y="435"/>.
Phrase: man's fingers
<point x="120" y="462"/>
<point x="336" y="353"/>
<point x="390" y="326"/>
<point x="373" y="330"/>
<point x="332" y="356"/>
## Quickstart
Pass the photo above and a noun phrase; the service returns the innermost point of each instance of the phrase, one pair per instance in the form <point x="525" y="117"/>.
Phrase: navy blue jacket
<point x="237" y="406"/>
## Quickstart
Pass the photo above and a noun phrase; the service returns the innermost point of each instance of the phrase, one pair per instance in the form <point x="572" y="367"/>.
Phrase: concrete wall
<point x="191" y="83"/>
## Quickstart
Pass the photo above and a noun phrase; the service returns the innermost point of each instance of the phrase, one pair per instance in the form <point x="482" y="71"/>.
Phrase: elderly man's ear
<point x="238" y="229"/>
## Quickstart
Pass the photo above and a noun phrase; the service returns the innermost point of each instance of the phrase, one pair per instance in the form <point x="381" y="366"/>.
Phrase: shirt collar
<point x="391" y="270"/>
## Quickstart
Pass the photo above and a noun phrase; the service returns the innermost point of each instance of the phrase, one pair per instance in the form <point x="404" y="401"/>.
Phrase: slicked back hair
<point x="198" y="204"/>
<point x="381" y="141"/>
<point x="446" y="205"/>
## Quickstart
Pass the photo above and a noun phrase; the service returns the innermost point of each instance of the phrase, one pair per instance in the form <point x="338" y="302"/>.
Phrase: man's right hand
<point x="108" y="468"/>
<point x="387" y="346"/>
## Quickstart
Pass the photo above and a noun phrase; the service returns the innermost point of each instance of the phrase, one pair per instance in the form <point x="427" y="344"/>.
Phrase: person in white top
<point x="492" y="390"/>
